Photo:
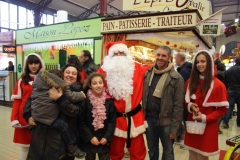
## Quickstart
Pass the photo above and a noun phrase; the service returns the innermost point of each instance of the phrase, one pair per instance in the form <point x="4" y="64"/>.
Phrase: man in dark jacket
<point x="163" y="99"/>
<point x="232" y="81"/>
<point x="184" y="69"/>
<point x="88" y="63"/>
<point x="221" y="68"/>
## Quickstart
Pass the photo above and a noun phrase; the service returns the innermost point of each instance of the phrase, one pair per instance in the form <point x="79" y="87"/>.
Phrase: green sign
<point x="210" y="29"/>
<point x="57" y="32"/>
<point x="19" y="68"/>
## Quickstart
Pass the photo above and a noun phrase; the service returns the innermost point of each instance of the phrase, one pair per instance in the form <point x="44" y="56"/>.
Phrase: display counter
<point x="7" y="81"/>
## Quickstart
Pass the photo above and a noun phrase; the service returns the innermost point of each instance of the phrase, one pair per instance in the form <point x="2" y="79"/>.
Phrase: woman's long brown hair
<point x="208" y="75"/>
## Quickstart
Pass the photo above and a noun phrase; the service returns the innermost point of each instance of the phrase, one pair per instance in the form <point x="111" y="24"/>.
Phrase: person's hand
<point x="16" y="125"/>
<point x="54" y="94"/>
<point x="31" y="121"/>
<point x="172" y="136"/>
<point x="95" y="141"/>
<point x="197" y="117"/>
<point x="194" y="108"/>
<point x="83" y="94"/>
<point x="103" y="141"/>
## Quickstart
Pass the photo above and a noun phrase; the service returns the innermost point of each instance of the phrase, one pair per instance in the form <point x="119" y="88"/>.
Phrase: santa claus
<point x="124" y="80"/>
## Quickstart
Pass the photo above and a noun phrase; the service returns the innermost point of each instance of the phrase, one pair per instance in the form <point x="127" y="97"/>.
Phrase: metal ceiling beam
<point x="92" y="10"/>
<point x="42" y="5"/>
<point x="232" y="13"/>
<point x="81" y="6"/>
<point x="116" y="9"/>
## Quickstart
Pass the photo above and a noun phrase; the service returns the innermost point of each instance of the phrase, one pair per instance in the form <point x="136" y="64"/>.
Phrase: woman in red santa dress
<point x="206" y="97"/>
<point x="22" y="91"/>
<point x="124" y="80"/>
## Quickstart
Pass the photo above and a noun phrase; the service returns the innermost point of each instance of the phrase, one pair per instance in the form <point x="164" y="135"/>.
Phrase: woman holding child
<point x="47" y="143"/>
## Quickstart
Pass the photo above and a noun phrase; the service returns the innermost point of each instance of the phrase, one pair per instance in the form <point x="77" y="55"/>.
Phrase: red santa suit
<point x="21" y="93"/>
<point x="212" y="106"/>
<point x="138" y="124"/>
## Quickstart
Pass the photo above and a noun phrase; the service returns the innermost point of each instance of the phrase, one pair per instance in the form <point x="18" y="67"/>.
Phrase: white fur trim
<point x="218" y="104"/>
<point x="128" y="102"/>
<point x="208" y="93"/>
<point x="189" y="107"/>
<point x="14" y="122"/>
<point x="19" y="94"/>
<point x="35" y="54"/>
<point x="135" y="131"/>
<point x="193" y="96"/>
<point x="201" y="152"/>
<point x="21" y="145"/>
<point x="30" y="82"/>
<point x="204" y="118"/>
<point x="118" y="48"/>
<point x="187" y="95"/>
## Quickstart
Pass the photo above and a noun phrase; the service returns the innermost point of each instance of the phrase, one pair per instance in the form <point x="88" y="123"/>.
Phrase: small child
<point x="45" y="111"/>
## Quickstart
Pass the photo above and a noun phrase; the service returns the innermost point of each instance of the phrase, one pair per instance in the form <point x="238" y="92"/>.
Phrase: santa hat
<point x="37" y="55"/>
<point x="114" y="47"/>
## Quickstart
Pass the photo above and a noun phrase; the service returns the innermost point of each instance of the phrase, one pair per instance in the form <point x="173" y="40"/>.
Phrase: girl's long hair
<point x="30" y="60"/>
<point x="208" y="75"/>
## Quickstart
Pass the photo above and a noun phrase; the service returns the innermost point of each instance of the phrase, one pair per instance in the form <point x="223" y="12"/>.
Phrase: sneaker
<point x="225" y="125"/>
<point x="77" y="153"/>
<point x="126" y="155"/>
<point x="178" y="142"/>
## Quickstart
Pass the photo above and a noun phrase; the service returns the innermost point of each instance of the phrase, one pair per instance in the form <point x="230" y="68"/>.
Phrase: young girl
<point x="22" y="91"/>
<point x="98" y="119"/>
<point x="206" y="97"/>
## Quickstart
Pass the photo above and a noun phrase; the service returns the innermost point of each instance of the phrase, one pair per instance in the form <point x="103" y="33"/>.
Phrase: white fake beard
<point x="119" y="73"/>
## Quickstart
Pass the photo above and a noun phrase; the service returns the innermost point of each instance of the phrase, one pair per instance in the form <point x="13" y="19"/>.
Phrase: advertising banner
<point x="150" y="22"/>
<point x="212" y="25"/>
<point x="167" y="5"/>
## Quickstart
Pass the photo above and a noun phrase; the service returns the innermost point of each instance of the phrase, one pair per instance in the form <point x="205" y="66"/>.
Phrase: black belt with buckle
<point x="128" y="115"/>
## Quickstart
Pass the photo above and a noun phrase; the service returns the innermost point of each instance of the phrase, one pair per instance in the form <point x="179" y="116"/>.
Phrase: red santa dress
<point x="212" y="105"/>
<point x="138" y="125"/>
<point x="21" y="93"/>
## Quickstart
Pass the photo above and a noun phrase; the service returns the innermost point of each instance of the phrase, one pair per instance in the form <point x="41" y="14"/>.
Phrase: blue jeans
<point x="233" y="97"/>
<point x="153" y="134"/>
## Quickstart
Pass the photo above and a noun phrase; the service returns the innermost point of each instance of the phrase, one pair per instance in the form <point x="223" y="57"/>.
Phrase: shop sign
<point x="9" y="49"/>
<point x="212" y="24"/>
<point x="150" y="23"/>
<point x="71" y="30"/>
<point x="6" y="38"/>
<point x="167" y="5"/>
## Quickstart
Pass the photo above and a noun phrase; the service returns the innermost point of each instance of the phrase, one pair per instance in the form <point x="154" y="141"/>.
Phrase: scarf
<point x="98" y="110"/>
<point x="159" y="88"/>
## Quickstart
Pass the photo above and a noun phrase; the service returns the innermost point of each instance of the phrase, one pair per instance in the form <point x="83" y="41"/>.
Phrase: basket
<point x="195" y="127"/>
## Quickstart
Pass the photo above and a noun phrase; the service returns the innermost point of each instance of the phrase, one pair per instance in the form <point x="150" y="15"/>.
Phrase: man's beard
<point x="119" y="73"/>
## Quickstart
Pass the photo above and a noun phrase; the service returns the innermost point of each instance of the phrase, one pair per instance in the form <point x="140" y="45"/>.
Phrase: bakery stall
<point x="145" y="33"/>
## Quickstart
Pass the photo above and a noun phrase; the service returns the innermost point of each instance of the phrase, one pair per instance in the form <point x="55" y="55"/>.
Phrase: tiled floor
<point x="10" y="152"/>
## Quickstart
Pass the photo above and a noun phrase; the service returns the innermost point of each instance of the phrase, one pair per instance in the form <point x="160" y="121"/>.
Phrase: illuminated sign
<point x="9" y="49"/>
